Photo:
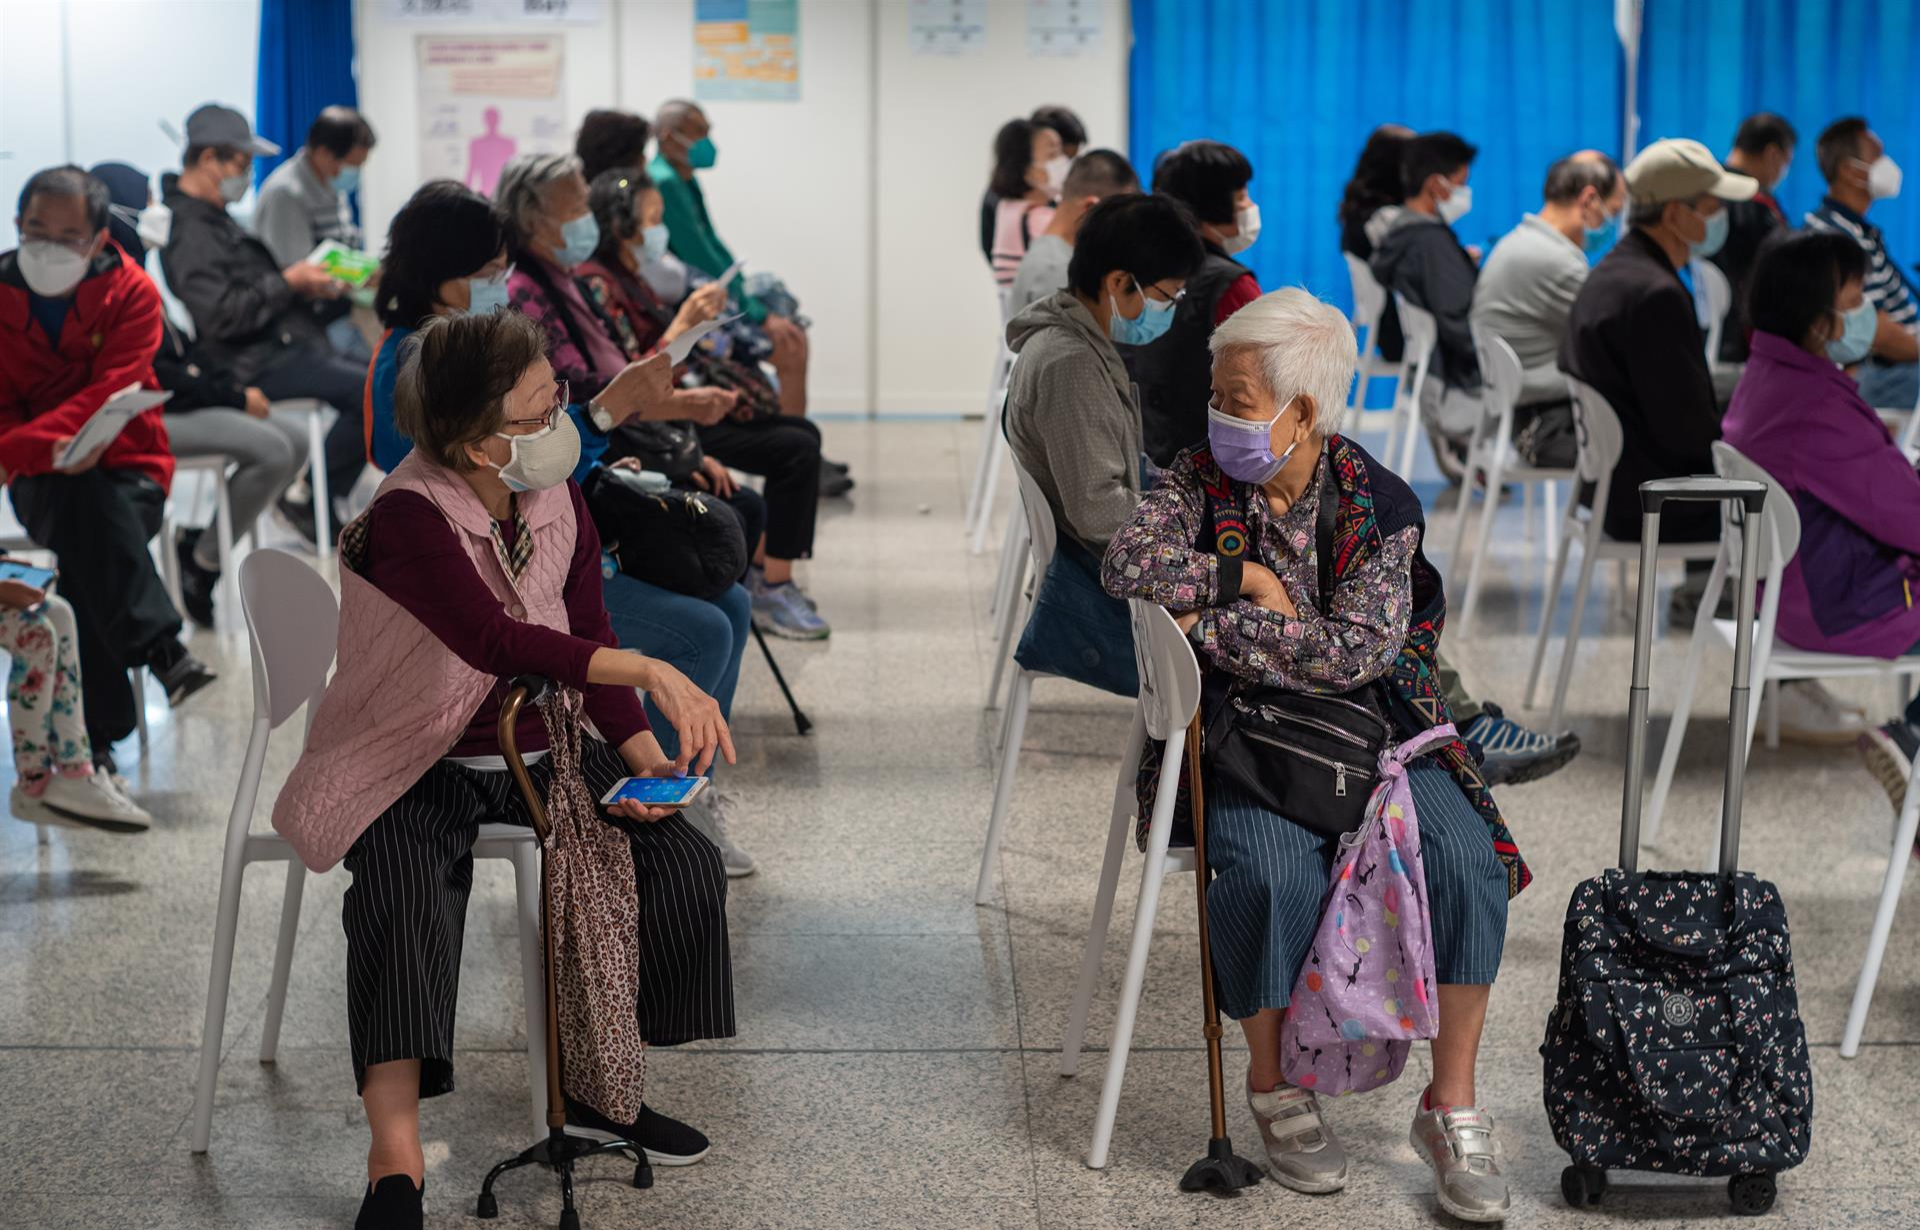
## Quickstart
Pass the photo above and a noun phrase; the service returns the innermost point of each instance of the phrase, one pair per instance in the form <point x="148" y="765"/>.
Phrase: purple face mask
<point x="1244" y="450"/>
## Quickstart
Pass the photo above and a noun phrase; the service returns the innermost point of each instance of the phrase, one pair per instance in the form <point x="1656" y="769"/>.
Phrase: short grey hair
<point x="1306" y="348"/>
<point x="524" y="183"/>
<point x="1642" y="214"/>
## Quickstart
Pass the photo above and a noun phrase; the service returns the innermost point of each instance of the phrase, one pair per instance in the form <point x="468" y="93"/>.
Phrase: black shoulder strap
<point x="1327" y="518"/>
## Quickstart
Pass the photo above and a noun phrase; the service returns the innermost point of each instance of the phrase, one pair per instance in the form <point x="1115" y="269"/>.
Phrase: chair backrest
<point x="1169" y="671"/>
<point x="1779" y="519"/>
<point x="1500" y="378"/>
<point x="1422" y="332"/>
<point x="1369" y="300"/>
<point x="1597" y="428"/>
<point x="293" y="621"/>
<point x="1712" y="297"/>
<point x="1043" y="537"/>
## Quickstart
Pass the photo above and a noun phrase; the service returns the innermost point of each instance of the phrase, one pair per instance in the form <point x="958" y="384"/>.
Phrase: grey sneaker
<point x="1457" y="1141"/>
<point x="1302" y="1151"/>
<point x="783" y="611"/>
<point x="711" y="819"/>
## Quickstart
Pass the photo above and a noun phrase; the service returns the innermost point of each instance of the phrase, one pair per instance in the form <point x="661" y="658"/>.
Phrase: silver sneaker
<point x="783" y="611"/>
<point x="1457" y="1141"/>
<point x="1302" y="1151"/>
<point x="711" y="818"/>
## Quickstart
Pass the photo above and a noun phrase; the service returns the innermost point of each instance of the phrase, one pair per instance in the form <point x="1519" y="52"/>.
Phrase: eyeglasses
<point x="1173" y="296"/>
<point x="560" y="403"/>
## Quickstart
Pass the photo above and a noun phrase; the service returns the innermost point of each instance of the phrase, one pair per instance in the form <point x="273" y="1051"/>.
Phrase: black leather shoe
<point x="392" y="1204"/>
<point x="668" y="1142"/>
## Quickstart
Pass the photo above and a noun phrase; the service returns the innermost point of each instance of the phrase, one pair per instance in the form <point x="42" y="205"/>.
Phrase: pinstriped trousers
<point x="1270" y="880"/>
<point x="405" y="915"/>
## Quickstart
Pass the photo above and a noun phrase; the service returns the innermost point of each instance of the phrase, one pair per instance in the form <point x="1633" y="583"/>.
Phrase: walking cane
<point x="801" y="722"/>
<point x="1221" y="1171"/>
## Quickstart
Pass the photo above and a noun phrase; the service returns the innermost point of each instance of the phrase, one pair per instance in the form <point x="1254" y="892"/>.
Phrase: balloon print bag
<point x="1366" y="990"/>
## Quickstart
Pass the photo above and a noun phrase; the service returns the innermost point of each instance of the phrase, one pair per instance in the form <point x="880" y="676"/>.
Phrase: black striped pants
<point x="406" y="910"/>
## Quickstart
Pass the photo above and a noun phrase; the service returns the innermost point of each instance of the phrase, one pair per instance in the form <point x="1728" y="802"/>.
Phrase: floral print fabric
<point x="43" y="694"/>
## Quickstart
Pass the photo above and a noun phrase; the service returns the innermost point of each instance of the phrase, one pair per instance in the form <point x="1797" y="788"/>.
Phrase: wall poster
<point x="485" y="98"/>
<point x="746" y="50"/>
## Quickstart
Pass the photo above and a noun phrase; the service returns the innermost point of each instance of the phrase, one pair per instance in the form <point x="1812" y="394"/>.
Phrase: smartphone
<point x="655" y="791"/>
<point x="26" y="574"/>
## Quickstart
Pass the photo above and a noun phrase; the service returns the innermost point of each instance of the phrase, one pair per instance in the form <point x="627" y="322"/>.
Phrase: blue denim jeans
<point x="703" y="640"/>
<point x="1890" y="386"/>
<point x="1078" y="631"/>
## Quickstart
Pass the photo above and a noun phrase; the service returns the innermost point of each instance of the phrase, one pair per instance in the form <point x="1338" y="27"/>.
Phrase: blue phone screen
<point x="657" y="791"/>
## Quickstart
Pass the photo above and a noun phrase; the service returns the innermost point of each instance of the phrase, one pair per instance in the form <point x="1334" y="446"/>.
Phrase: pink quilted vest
<point x="399" y="698"/>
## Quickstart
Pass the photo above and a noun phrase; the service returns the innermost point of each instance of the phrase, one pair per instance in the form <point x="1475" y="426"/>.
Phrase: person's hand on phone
<point x="257" y="403"/>
<point x="705" y="406"/>
<point x="714" y="477"/>
<point x="79" y="467"/>
<point x="20" y="596"/>
<point x="695" y="717"/>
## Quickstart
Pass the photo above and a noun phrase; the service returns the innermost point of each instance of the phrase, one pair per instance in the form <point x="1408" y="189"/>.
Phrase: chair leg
<point x="138" y="676"/>
<point x="983" y="515"/>
<point x="1152" y="873"/>
<point x="1771" y="699"/>
<point x="170" y="559"/>
<point x="1123" y="807"/>
<point x="229" y="608"/>
<point x="317" y="469"/>
<point x="1683" y="706"/>
<point x="1495" y="476"/>
<point x="1556" y="574"/>
<point x="1013" y="565"/>
<point x="1526" y="511"/>
<point x="282" y="960"/>
<point x="1013" y="620"/>
<point x="213" y="1030"/>
<point x="1463" y="510"/>
<point x="1003" y="788"/>
<point x="1576" y="623"/>
<point x="1882" y="921"/>
<point x="533" y="986"/>
<point x="1622" y="602"/>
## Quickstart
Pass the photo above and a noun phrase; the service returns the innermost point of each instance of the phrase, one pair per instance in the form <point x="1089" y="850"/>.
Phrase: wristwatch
<point x="602" y="418"/>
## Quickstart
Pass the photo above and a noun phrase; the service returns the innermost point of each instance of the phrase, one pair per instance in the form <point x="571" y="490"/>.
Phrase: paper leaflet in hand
<point x="356" y="269"/>
<point x="726" y="278"/>
<point x="680" y="347"/>
<point x="100" y="430"/>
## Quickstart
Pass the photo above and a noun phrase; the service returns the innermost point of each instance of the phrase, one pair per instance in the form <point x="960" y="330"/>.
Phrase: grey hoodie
<point x="1073" y="419"/>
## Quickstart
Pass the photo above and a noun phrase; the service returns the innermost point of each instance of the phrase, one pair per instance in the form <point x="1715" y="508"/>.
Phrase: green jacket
<point x="690" y="233"/>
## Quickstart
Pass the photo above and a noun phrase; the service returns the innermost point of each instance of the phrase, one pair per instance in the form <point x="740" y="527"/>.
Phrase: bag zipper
<point x="1273" y="714"/>
<point x="1340" y="768"/>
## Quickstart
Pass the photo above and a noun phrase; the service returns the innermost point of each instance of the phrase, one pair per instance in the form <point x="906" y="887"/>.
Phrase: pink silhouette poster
<point x="485" y="98"/>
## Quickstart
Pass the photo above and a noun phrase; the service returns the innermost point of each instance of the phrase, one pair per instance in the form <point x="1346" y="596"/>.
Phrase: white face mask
<point x="51" y="269"/>
<point x="1056" y="170"/>
<point x="1883" y="178"/>
<point x="1456" y="206"/>
<point x="233" y="187"/>
<point x="155" y="225"/>
<point x="1247" y="217"/>
<point x="541" y="459"/>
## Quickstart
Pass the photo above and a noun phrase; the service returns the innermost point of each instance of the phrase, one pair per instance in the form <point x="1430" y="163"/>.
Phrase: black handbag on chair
<point x="1308" y="756"/>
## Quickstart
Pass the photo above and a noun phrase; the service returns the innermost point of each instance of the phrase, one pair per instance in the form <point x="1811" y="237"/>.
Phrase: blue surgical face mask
<point x="578" y="240"/>
<point x="1715" y="237"/>
<point x="701" y="153"/>
<point x="1152" y="322"/>
<point x="347" y="180"/>
<point x="1599" y="240"/>
<point x="486" y="294"/>
<point x="655" y="242"/>
<point x="1854" y="344"/>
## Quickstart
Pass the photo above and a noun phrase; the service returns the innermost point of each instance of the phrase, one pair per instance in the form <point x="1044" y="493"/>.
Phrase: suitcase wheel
<point x="1583" y="1185"/>
<point x="1751" y="1194"/>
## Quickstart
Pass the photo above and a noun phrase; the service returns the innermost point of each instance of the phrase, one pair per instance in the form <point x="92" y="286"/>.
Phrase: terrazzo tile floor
<point x="896" y="1063"/>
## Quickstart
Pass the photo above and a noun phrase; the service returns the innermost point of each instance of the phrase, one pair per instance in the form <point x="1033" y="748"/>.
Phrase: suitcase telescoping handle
<point x="1750" y="496"/>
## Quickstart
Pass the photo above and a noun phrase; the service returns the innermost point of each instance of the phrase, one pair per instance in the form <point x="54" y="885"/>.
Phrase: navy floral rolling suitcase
<point x="1676" y="1042"/>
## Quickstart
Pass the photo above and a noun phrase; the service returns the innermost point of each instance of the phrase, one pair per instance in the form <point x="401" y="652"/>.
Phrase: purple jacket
<point x="1850" y="586"/>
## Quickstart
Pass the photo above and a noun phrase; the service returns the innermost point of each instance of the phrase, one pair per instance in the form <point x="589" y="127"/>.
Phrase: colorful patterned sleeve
<point x="1354" y="644"/>
<point x="1152" y="557"/>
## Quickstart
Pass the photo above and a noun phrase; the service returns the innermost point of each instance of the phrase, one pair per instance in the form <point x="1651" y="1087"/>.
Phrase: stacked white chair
<point x="1491" y="456"/>
<point x="1169" y="695"/>
<point x="1600" y="443"/>
<point x="1422" y="334"/>
<point x="1773" y="662"/>
<point x="293" y="619"/>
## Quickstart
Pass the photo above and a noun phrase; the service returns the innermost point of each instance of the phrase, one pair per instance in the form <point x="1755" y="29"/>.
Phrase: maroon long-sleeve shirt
<point x="414" y="558"/>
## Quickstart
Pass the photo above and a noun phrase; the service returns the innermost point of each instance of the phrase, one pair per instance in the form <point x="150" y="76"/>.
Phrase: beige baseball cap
<point x="1675" y="169"/>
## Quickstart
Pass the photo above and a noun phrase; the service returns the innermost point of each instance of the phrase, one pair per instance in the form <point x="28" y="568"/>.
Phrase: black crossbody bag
<point x="1308" y="756"/>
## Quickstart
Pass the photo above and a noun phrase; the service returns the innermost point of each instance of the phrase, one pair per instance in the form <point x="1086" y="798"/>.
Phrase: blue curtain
<point x="306" y="63"/>
<point x="1707" y="64"/>
<point x="1297" y="87"/>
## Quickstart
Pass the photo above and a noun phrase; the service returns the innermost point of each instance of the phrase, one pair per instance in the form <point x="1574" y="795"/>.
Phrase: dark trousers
<point x="341" y="383"/>
<point x="98" y="524"/>
<point x="784" y="450"/>
<point x="405" y="916"/>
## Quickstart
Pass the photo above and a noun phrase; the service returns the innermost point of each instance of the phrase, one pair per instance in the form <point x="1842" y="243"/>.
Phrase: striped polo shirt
<point x="1887" y="286"/>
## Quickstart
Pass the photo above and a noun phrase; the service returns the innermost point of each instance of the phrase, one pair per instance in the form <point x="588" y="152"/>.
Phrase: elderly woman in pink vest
<point x="477" y="562"/>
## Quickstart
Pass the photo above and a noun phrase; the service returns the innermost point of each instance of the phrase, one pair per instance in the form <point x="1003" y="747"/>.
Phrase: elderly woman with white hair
<point x="1231" y="541"/>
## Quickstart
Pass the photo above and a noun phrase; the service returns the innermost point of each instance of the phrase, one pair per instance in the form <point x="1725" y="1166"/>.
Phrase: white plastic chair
<point x="1601" y="441"/>
<point x="317" y="413"/>
<point x="216" y="466"/>
<point x="1712" y="300"/>
<point x="293" y="619"/>
<point x="1490" y="454"/>
<point x="1369" y="305"/>
<point x="1422" y="332"/>
<point x="1773" y="661"/>
<point x="1042" y="538"/>
<point x="993" y="443"/>
<point x="1897" y="860"/>
<point x="1169" y="695"/>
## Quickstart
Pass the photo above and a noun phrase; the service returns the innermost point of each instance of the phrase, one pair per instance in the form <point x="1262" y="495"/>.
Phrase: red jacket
<point x="111" y="332"/>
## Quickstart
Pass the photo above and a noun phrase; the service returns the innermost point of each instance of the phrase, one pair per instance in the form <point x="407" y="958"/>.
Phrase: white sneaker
<point x="1811" y="714"/>
<point x="96" y="803"/>
<point x="711" y="819"/>
<point x="35" y="811"/>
